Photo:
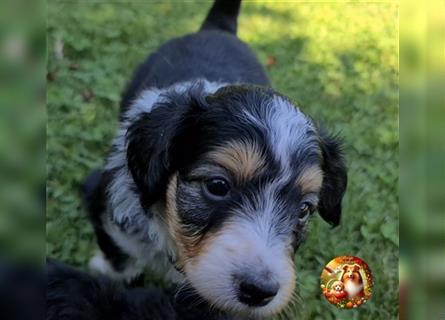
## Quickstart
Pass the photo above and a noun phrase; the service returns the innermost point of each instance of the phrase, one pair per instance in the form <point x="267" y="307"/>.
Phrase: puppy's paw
<point x="100" y="265"/>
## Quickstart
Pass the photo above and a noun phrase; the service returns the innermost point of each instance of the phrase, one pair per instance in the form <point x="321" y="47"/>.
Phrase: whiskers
<point x="186" y="294"/>
<point x="295" y="300"/>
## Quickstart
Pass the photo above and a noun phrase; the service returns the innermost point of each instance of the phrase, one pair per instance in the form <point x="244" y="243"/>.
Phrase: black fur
<point x="222" y="16"/>
<point x="22" y="291"/>
<point x="75" y="295"/>
<point x="210" y="54"/>
<point x="335" y="179"/>
<point x="152" y="155"/>
<point x="94" y="198"/>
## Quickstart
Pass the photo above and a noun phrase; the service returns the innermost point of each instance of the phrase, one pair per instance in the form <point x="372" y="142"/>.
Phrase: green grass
<point x="338" y="61"/>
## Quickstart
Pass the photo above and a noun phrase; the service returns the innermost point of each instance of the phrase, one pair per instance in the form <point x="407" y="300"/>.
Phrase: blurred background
<point x="22" y="159"/>
<point x="22" y="123"/>
<point x="338" y="60"/>
<point x="422" y="171"/>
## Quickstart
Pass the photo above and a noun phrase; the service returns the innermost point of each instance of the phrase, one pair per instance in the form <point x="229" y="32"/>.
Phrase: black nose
<point x="257" y="293"/>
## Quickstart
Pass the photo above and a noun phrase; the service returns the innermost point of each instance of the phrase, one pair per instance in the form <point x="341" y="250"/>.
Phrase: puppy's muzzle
<point x="255" y="292"/>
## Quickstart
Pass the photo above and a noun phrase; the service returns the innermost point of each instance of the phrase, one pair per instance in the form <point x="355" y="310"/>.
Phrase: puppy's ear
<point x="334" y="179"/>
<point x="152" y="143"/>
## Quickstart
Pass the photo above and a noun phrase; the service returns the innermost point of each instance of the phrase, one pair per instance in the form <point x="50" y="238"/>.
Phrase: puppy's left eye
<point x="306" y="209"/>
<point x="216" y="188"/>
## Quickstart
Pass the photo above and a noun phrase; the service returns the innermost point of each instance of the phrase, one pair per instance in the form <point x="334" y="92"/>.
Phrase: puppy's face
<point x="237" y="216"/>
<point x="338" y="286"/>
<point x="245" y="171"/>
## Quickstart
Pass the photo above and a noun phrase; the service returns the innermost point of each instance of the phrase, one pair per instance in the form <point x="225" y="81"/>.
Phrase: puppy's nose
<point x="257" y="293"/>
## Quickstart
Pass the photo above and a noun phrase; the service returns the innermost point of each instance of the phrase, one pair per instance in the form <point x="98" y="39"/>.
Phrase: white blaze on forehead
<point x="286" y="125"/>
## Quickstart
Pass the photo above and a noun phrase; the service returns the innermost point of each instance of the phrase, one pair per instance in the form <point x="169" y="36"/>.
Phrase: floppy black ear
<point x="152" y="144"/>
<point x="334" y="179"/>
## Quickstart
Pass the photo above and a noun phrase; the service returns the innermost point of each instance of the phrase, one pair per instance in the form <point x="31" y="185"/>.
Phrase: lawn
<point x="338" y="61"/>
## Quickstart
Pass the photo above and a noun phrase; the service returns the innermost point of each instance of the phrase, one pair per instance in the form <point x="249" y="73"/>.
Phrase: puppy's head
<point x="240" y="172"/>
<point x="338" y="286"/>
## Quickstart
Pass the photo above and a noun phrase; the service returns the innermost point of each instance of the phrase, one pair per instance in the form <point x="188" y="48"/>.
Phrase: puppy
<point x="353" y="281"/>
<point x="338" y="290"/>
<point x="213" y="175"/>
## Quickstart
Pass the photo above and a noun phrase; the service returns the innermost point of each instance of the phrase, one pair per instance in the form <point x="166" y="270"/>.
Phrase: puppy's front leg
<point x="111" y="260"/>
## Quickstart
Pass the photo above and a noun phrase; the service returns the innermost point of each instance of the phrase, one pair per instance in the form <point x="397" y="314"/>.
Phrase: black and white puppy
<point x="213" y="175"/>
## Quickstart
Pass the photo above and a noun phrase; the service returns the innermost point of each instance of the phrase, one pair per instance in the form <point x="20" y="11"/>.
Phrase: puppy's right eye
<point x="216" y="188"/>
<point x="305" y="210"/>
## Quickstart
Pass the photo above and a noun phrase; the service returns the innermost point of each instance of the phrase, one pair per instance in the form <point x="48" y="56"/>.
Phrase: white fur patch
<point x="288" y="128"/>
<point x="286" y="125"/>
<point x="352" y="288"/>
<point x="98" y="264"/>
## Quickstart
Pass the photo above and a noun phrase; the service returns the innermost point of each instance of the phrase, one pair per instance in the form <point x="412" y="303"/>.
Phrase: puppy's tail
<point x="222" y="16"/>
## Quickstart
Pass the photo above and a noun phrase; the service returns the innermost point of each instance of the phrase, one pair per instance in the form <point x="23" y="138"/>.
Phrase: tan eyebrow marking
<point x="243" y="159"/>
<point x="189" y="246"/>
<point x="310" y="179"/>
